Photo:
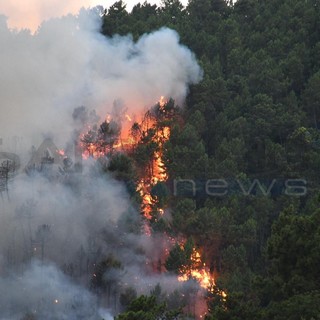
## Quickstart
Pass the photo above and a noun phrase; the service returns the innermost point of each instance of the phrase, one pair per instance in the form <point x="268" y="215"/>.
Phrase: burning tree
<point x="179" y="259"/>
<point x="151" y="135"/>
<point x="144" y="142"/>
<point x="141" y="158"/>
<point x="99" y="141"/>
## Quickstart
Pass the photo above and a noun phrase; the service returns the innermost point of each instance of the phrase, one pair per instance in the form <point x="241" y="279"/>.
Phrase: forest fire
<point x="75" y="222"/>
<point x="157" y="172"/>
<point x="153" y="130"/>
<point x="159" y="166"/>
<point x="198" y="271"/>
<point x="120" y="133"/>
<point x="144" y="191"/>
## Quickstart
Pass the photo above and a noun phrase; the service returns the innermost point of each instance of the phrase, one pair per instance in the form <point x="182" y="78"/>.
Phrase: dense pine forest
<point x="244" y="152"/>
<point x="161" y="163"/>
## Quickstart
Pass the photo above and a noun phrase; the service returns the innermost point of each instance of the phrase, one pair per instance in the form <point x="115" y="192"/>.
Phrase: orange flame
<point x="197" y="271"/>
<point x="162" y="101"/>
<point x="158" y="170"/>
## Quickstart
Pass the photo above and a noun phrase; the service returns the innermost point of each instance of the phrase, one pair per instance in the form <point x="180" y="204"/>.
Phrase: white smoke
<point x="75" y="212"/>
<point x="81" y="221"/>
<point x="68" y="63"/>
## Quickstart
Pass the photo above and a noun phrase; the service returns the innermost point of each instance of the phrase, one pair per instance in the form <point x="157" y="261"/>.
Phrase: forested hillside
<point x="248" y="139"/>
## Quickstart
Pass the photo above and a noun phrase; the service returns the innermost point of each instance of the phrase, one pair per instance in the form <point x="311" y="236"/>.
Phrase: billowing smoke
<point x="68" y="63"/>
<point x="81" y="229"/>
<point x="44" y="292"/>
<point x="84" y="234"/>
<point x="22" y="14"/>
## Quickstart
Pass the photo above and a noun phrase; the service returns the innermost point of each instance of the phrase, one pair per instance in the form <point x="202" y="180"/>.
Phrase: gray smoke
<point x="55" y="231"/>
<point x="68" y="63"/>
<point x="44" y="292"/>
<point x="72" y="225"/>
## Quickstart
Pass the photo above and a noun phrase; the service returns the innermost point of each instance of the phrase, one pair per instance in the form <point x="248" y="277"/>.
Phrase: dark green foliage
<point x="311" y="98"/>
<point x="128" y="296"/>
<point x="115" y="18"/>
<point x="179" y="258"/>
<point x="105" y="274"/>
<point x="121" y="166"/>
<point x="293" y="249"/>
<point x="147" y="308"/>
<point x="103" y="138"/>
<point x="255" y="115"/>
<point x="160" y="194"/>
<point x="176" y="259"/>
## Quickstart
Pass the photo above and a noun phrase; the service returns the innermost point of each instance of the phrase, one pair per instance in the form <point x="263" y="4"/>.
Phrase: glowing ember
<point x="128" y="117"/>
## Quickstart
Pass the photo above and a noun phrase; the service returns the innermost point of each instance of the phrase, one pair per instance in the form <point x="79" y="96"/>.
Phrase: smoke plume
<point x="68" y="63"/>
<point x="44" y="292"/>
<point x="85" y="227"/>
<point x="54" y="234"/>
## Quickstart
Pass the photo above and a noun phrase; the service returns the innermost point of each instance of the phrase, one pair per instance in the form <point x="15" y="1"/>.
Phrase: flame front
<point x="127" y="140"/>
<point x="198" y="271"/>
<point x="158" y="172"/>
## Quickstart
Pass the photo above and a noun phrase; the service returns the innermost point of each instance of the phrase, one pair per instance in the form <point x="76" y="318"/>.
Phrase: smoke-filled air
<point x="68" y="63"/>
<point x="159" y="160"/>
<point x="73" y="243"/>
